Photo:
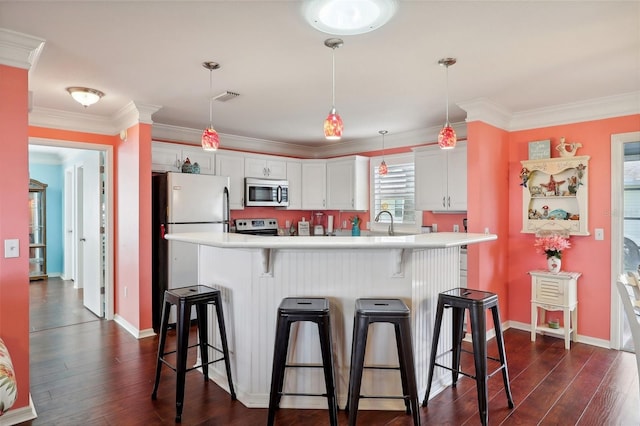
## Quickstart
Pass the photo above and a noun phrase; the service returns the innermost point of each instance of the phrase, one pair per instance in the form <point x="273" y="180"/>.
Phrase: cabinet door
<point x="232" y="166"/>
<point x="340" y="185"/>
<point x="165" y="158"/>
<point x="206" y="160"/>
<point x="255" y="167"/>
<point x="294" y="176"/>
<point x="276" y="169"/>
<point x="431" y="180"/>
<point x="314" y="185"/>
<point x="457" y="179"/>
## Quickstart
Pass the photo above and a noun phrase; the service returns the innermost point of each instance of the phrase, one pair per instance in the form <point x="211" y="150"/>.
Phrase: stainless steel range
<point x="264" y="227"/>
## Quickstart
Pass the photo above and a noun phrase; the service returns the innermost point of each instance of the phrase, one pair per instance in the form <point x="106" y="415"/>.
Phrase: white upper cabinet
<point x="294" y="177"/>
<point x="347" y="183"/>
<point x="168" y="157"/>
<point x="314" y="185"/>
<point x="259" y="167"/>
<point x="441" y="178"/>
<point x="232" y="165"/>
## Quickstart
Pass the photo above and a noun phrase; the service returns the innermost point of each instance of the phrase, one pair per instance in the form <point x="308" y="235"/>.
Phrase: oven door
<point x="266" y="193"/>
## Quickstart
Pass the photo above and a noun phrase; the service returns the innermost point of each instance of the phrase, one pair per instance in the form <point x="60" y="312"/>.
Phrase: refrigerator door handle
<point x="163" y="231"/>
<point x="227" y="213"/>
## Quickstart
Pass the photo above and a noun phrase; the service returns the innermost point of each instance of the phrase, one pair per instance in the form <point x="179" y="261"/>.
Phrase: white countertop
<point x="418" y="241"/>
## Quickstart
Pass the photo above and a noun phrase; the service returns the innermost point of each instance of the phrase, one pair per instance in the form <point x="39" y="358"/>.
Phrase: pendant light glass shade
<point x="382" y="168"/>
<point x="333" y="124"/>
<point x="210" y="140"/>
<point x="447" y="136"/>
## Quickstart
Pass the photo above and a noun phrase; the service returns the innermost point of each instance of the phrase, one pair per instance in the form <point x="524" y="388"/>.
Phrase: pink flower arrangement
<point x="552" y="245"/>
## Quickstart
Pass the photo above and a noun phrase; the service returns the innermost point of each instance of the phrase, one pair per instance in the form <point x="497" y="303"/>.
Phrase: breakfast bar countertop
<point x="415" y="241"/>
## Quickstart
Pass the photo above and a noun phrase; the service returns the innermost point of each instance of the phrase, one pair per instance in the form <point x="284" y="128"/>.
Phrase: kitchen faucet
<point x="377" y="219"/>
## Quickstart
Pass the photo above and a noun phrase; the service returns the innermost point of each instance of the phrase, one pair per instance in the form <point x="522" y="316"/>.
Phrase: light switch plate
<point x="599" y="234"/>
<point x="11" y="248"/>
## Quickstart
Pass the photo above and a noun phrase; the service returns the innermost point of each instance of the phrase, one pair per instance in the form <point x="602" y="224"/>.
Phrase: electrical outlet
<point x="599" y="234"/>
<point x="456" y="228"/>
<point x="486" y="230"/>
<point x="125" y="292"/>
<point x="434" y="227"/>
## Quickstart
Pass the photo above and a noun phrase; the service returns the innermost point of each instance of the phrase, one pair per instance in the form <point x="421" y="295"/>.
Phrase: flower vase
<point x="355" y="231"/>
<point x="554" y="264"/>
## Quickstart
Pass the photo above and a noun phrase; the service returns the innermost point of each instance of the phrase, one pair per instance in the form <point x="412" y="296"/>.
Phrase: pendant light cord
<point x="333" y="78"/>
<point x="447" y="88"/>
<point x="210" y="99"/>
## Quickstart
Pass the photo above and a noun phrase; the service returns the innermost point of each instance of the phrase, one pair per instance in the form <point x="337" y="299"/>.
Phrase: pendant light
<point x="333" y="123"/>
<point x="382" y="168"/>
<point x="447" y="136"/>
<point x="210" y="138"/>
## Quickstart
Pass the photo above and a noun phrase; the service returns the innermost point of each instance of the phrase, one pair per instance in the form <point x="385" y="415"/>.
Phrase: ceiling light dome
<point x="348" y="17"/>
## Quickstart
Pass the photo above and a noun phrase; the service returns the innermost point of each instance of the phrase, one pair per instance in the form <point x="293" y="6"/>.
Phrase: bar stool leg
<point x="225" y="346"/>
<point x="183" y="320"/>
<point x="166" y="309"/>
<point x="407" y="369"/>
<point x="357" y="365"/>
<point x="279" y="361"/>
<point x="458" y="327"/>
<point x="324" y="330"/>
<point x="434" y="349"/>
<point x="501" y="353"/>
<point x="478" y="332"/>
<point x="203" y="337"/>
<point x="403" y="367"/>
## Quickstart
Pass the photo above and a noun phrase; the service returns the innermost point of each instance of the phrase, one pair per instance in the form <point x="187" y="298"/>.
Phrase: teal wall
<point x="53" y="176"/>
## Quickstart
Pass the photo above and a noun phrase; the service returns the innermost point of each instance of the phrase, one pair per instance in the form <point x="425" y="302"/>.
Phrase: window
<point x="395" y="193"/>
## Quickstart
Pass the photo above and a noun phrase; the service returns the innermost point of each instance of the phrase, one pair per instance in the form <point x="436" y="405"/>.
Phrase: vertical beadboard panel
<point x="251" y="299"/>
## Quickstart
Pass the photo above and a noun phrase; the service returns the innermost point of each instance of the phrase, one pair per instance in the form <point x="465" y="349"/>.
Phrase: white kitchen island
<point x="254" y="273"/>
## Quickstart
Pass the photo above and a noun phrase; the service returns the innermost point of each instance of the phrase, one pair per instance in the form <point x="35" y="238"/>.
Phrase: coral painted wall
<point x="14" y="223"/>
<point x="592" y="258"/>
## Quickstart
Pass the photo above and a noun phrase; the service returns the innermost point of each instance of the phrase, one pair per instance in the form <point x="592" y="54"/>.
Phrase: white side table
<point x="555" y="292"/>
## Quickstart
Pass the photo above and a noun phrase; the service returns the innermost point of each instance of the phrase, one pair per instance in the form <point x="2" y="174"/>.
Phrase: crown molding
<point x="73" y="121"/>
<point x="19" y="50"/>
<point x="592" y="109"/>
<point x="134" y="113"/>
<point x="167" y="132"/>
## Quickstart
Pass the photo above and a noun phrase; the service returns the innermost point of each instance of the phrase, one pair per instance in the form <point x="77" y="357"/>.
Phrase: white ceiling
<point x="521" y="55"/>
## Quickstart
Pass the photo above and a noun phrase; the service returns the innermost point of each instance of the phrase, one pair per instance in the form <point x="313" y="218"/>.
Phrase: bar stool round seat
<point x="291" y="310"/>
<point x="476" y="301"/>
<point x="184" y="298"/>
<point x="396" y="312"/>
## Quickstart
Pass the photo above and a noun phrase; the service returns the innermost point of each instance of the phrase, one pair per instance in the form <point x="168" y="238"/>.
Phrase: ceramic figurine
<point x="524" y="176"/>
<point x="195" y="168"/>
<point x="568" y="149"/>
<point x="186" y="166"/>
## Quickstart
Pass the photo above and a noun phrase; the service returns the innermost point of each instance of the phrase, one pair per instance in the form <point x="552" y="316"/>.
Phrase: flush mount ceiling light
<point x="84" y="95"/>
<point x="447" y="136"/>
<point x="348" y="17"/>
<point x="333" y="125"/>
<point x="382" y="168"/>
<point x="210" y="139"/>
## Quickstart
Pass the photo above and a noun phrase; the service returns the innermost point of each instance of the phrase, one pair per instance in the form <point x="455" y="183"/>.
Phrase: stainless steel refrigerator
<point x="182" y="202"/>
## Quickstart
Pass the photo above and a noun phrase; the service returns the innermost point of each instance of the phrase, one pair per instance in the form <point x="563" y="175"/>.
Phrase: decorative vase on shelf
<point x="355" y="230"/>
<point x="554" y="264"/>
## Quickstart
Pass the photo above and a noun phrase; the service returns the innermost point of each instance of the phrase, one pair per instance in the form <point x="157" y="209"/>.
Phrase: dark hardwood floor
<point x="95" y="373"/>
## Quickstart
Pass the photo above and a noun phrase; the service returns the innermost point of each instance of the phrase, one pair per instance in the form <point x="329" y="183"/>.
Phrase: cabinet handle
<point x="323" y="202"/>
<point x="443" y="204"/>
<point x="264" y="171"/>
<point x="352" y="203"/>
<point x="448" y="201"/>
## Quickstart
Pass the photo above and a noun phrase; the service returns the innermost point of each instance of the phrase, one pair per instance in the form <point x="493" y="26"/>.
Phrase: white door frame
<point x="109" y="191"/>
<point x="69" y="225"/>
<point x="617" y="219"/>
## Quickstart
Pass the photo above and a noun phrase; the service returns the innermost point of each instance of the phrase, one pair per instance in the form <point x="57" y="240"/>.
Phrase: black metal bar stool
<point x="476" y="301"/>
<point x="184" y="298"/>
<point x="293" y="309"/>
<point x="393" y="311"/>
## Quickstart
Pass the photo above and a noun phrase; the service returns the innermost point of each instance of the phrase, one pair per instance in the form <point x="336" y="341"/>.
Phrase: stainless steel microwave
<point x="266" y="192"/>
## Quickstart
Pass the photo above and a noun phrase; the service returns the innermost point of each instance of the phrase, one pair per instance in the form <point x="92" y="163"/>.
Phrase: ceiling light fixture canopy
<point x="348" y="17"/>
<point x="210" y="139"/>
<point x="447" y="136"/>
<point x="85" y="96"/>
<point x="382" y="168"/>
<point x="333" y="125"/>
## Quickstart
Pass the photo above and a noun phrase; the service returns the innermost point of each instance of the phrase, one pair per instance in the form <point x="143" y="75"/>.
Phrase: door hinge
<point x="102" y="229"/>
<point x="101" y="290"/>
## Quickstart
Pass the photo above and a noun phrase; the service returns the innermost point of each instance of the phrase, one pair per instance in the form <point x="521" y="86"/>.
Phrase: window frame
<point x="382" y="227"/>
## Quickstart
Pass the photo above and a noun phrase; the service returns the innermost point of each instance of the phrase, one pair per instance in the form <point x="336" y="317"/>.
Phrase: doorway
<point x="87" y="210"/>
<point x="625" y="226"/>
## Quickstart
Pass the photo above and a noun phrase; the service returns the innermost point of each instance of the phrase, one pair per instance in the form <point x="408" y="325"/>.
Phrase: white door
<point x="69" y="226"/>
<point x="90" y="236"/>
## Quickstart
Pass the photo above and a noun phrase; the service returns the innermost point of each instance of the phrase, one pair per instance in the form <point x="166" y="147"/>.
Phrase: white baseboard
<point x="138" y="334"/>
<point x="581" y="339"/>
<point x="19" y="415"/>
